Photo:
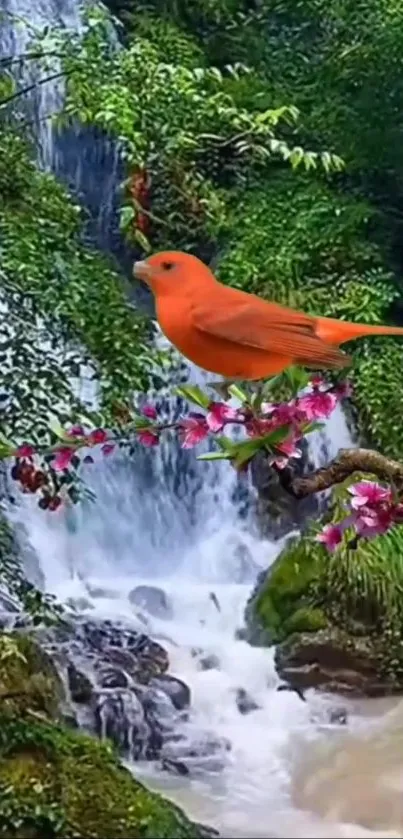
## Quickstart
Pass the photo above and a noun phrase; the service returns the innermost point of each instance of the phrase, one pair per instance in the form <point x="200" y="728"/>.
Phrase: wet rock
<point x="120" y="717"/>
<point x="245" y="702"/>
<point x="278" y="512"/>
<point x="7" y="604"/>
<point x="334" y="662"/>
<point x="206" y="661"/>
<point x="293" y="689"/>
<point x="177" y="767"/>
<point x="79" y="604"/>
<point x="205" y="753"/>
<point x="178" y="691"/>
<point x="122" y="659"/>
<point x="112" y="677"/>
<point x="338" y="716"/>
<point x="80" y="686"/>
<point x="141" y="657"/>
<point x="153" y="599"/>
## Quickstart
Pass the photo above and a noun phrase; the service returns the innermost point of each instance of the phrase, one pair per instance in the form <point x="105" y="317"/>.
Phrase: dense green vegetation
<point x="219" y="181"/>
<point x="213" y="105"/>
<point x="354" y="594"/>
<point x="56" y="782"/>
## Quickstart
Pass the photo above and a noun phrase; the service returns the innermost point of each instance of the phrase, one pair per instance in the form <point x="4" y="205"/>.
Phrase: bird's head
<point x="171" y="271"/>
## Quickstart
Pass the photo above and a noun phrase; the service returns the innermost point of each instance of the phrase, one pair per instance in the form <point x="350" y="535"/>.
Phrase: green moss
<point x="56" y="783"/>
<point x="306" y="619"/>
<point x="356" y="591"/>
<point x="288" y="589"/>
<point x="28" y="676"/>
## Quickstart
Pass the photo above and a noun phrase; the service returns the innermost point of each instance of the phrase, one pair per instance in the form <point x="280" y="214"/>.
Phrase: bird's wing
<point x="266" y="326"/>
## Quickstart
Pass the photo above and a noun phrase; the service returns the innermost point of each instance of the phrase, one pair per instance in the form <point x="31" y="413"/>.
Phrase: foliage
<point x="54" y="782"/>
<point x="288" y="236"/>
<point x="65" y="306"/>
<point x="41" y="608"/>
<point x="276" y="429"/>
<point x="355" y="590"/>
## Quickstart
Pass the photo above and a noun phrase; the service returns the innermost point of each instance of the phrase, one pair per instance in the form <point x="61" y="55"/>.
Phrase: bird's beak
<point x="142" y="271"/>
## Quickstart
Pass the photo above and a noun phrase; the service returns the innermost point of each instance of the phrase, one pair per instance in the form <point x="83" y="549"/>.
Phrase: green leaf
<point x="127" y="216"/>
<point x="214" y="456"/>
<point x="238" y="393"/>
<point x="193" y="394"/>
<point x="298" y="378"/>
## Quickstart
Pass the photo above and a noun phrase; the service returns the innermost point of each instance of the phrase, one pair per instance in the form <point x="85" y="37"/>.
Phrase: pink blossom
<point x="76" y="431"/>
<point x="24" y="451"/>
<point x="368" y="493"/>
<point x="98" y="435"/>
<point x="370" y="523"/>
<point x="62" y="458"/>
<point x="260" y="427"/>
<point x="288" y="446"/>
<point x="317" y="382"/>
<point x="219" y="414"/>
<point x="318" y="405"/>
<point x="193" y="430"/>
<point x="330" y="536"/>
<point x="343" y="390"/>
<point x="107" y="448"/>
<point x="149" y="411"/>
<point x="148" y="437"/>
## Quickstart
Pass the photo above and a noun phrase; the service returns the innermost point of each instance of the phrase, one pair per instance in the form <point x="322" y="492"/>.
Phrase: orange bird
<point x="236" y="334"/>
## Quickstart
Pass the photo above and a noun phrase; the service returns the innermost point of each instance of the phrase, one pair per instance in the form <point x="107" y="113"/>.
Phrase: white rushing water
<point x="162" y="518"/>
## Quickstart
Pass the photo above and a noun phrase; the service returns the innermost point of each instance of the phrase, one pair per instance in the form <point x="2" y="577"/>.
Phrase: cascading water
<point x="163" y="519"/>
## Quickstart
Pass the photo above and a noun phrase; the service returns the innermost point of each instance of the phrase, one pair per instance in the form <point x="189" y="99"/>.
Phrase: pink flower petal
<point x="107" y="448"/>
<point x="318" y="405"/>
<point x="24" y="451"/>
<point x="62" y="459"/>
<point x="149" y="411"/>
<point x="219" y="414"/>
<point x="98" y="435"/>
<point x="192" y="431"/>
<point x="148" y="437"/>
<point x="76" y="431"/>
<point x="330" y="536"/>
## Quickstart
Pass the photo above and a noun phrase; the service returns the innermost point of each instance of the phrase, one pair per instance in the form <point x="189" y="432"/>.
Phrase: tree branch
<point x="345" y="464"/>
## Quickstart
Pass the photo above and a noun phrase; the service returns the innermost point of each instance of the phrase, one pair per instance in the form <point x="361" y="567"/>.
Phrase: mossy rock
<point x="283" y="596"/>
<point x="57" y="783"/>
<point x="337" y="618"/>
<point x="28" y="676"/>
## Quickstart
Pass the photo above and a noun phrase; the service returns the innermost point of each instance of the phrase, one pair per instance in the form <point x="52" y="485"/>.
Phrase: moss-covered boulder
<point x="28" y="677"/>
<point x="337" y="619"/>
<point x="56" y="783"/>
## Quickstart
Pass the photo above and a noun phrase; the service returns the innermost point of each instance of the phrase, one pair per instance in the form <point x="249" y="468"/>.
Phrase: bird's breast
<point x="208" y="351"/>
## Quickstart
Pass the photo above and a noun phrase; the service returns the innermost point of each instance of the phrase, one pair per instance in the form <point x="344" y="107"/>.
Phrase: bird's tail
<point x="339" y="332"/>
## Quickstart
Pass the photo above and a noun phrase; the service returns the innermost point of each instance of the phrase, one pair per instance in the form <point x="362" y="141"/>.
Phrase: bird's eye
<point x="167" y="266"/>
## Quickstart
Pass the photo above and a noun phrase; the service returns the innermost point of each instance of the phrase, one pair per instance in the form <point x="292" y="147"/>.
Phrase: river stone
<point x="79" y="685"/>
<point x="120" y="717"/>
<point x="112" y="677"/>
<point x="178" y="691"/>
<point x="153" y="599"/>
<point x="245" y="702"/>
<point x="332" y="661"/>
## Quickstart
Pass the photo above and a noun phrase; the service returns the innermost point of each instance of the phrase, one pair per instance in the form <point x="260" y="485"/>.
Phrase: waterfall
<point x="165" y="521"/>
